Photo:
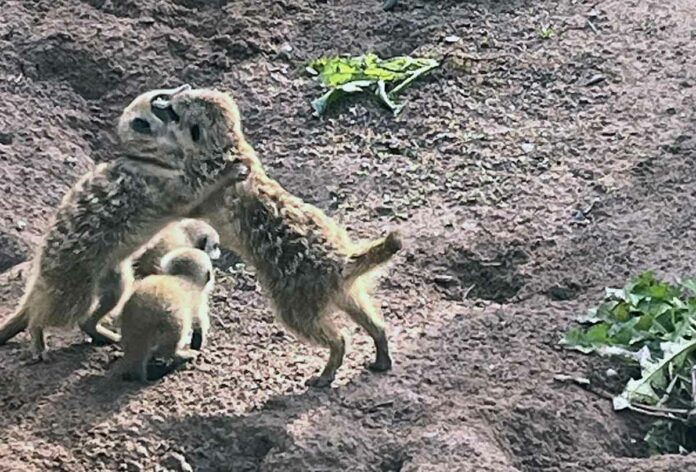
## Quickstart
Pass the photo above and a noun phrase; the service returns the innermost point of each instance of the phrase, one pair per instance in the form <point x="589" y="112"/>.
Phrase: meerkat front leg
<point x="201" y="325"/>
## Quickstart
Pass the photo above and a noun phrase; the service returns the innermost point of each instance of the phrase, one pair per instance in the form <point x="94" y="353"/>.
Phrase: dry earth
<point x="488" y="173"/>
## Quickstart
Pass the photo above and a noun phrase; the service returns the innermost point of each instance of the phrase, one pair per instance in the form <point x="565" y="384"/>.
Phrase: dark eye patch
<point x="141" y="126"/>
<point x="195" y="133"/>
<point x="202" y="243"/>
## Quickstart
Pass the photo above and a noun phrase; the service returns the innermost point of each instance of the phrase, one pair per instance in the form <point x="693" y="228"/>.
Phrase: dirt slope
<point x="486" y="173"/>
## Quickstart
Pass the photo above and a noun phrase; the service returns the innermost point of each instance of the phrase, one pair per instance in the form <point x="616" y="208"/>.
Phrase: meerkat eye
<point x="141" y="126"/>
<point x="195" y="133"/>
<point x="202" y="244"/>
<point x="209" y="276"/>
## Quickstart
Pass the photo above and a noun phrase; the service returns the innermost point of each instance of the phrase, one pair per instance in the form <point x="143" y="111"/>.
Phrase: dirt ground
<point x="526" y="175"/>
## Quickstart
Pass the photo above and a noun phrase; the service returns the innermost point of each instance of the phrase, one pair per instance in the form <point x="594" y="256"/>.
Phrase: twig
<point x="467" y="291"/>
<point x="639" y="407"/>
<point x="592" y="26"/>
<point x="655" y="413"/>
<point x="377" y="406"/>
<point x="676" y="411"/>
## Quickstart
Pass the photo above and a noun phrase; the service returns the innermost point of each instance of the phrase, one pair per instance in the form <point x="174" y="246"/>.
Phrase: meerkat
<point x="115" y="209"/>
<point x="163" y="309"/>
<point x="186" y="233"/>
<point x="304" y="260"/>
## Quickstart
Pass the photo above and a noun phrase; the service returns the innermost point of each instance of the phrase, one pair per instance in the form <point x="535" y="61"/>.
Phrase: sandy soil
<point x="488" y="173"/>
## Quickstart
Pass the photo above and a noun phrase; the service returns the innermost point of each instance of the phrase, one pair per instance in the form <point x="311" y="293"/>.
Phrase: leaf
<point x="654" y="373"/>
<point x="620" y="403"/>
<point x="368" y="73"/>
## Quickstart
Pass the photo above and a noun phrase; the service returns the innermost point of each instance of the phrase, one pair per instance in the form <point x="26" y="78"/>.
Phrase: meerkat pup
<point x="305" y="261"/>
<point x="162" y="311"/>
<point x="115" y="209"/>
<point x="186" y="233"/>
<point x="189" y="232"/>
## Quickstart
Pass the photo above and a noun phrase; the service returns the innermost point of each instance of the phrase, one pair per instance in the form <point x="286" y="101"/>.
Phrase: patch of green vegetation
<point x="652" y="323"/>
<point x="383" y="78"/>
<point x="547" y="32"/>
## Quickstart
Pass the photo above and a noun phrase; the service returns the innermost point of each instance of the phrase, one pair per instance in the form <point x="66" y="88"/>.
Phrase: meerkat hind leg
<point x="361" y="308"/>
<point x="110" y="290"/>
<point x="39" y="351"/>
<point x="198" y="339"/>
<point x="182" y="356"/>
<point x="325" y="333"/>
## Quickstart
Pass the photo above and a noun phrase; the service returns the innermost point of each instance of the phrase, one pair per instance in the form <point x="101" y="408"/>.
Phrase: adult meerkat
<point x="163" y="309"/>
<point x="115" y="209"/>
<point x="304" y="260"/>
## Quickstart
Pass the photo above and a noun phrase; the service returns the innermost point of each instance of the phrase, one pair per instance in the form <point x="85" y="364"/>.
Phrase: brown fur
<point x="163" y="309"/>
<point x="186" y="233"/>
<point x="305" y="261"/>
<point x="111" y="212"/>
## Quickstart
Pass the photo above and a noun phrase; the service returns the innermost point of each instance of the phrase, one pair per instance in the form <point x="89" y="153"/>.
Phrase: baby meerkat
<point x="163" y="309"/>
<point x="145" y="261"/>
<point x="304" y="260"/>
<point x="188" y="232"/>
<point x="115" y="209"/>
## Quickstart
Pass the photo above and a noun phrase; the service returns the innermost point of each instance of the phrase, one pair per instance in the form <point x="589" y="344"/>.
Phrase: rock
<point x="176" y="462"/>
<point x="445" y="280"/>
<point x="131" y="466"/>
<point x="527" y="147"/>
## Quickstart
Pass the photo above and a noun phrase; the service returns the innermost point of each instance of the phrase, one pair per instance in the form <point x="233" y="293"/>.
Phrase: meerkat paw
<point x="104" y="338"/>
<point x="380" y="365"/>
<point x="236" y="171"/>
<point x="319" y="382"/>
<point x="38" y="358"/>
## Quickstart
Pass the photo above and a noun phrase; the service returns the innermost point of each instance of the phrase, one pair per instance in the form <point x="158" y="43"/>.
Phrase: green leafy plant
<point x="547" y="32"/>
<point x="383" y="78"/>
<point x="652" y="323"/>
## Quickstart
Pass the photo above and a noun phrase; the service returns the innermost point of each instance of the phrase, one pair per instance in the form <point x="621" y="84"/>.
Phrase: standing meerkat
<point x="163" y="309"/>
<point x="112" y="211"/>
<point x="305" y="261"/>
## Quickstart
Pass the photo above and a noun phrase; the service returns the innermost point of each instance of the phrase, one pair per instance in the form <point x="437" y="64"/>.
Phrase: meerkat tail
<point x="15" y="325"/>
<point x="372" y="255"/>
